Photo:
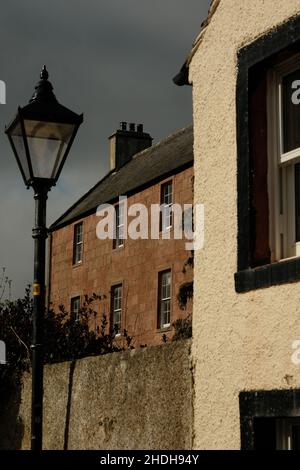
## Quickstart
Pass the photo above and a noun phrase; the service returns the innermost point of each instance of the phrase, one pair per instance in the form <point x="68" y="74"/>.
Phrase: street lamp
<point x="41" y="136"/>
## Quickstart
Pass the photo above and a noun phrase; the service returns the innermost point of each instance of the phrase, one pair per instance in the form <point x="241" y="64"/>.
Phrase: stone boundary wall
<point x="139" y="399"/>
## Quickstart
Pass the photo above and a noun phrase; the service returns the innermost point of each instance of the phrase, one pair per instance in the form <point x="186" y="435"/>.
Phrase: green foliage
<point x="65" y="338"/>
<point x="186" y="292"/>
<point x="183" y="328"/>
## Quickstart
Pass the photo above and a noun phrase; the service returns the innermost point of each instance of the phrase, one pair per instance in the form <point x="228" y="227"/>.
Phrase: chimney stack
<point x="123" y="144"/>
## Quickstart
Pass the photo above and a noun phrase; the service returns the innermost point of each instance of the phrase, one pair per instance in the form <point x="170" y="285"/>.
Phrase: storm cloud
<point x="114" y="61"/>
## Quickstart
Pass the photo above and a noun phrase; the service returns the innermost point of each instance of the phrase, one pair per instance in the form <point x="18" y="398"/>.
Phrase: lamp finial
<point x="44" y="73"/>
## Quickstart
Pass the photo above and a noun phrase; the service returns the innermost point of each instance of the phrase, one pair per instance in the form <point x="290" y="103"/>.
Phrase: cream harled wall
<point x="241" y="341"/>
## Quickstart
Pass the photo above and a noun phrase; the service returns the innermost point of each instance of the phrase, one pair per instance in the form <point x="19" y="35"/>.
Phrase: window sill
<point x="163" y="329"/>
<point x="274" y="274"/>
<point x="166" y="230"/>
<point x="76" y="265"/>
<point x="118" y="248"/>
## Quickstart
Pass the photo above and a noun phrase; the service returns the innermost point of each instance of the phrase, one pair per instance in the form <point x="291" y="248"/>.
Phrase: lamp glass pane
<point x="18" y="143"/>
<point x="47" y="143"/>
<point x="291" y="111"/>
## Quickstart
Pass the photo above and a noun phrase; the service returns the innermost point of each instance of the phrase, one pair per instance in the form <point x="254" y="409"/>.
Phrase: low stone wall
<point x="139" y="399"/>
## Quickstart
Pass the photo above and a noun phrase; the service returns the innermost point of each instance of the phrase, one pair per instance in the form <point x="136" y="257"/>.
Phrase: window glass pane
<point x="75" y="306"/>
<point x="121" y="214"/>
<point x="296" y="437"/>
<point x="117" y="317"/>
<point x="168" y="194"/>
<point x="288" y="434"/>
<point x="166" y="284"/>
<point x="119" y="224"/>
<point x="78" y="228"/>
<point x="165" y="298"/>
<point x="116" y="308"/>
<point x="121" y="233"/>
<point x="165" y="312"/>
<point x="166" y="205"/>
<point x="78" y="243"/>
<point x="291" y="111"/>
<point x="78" y="253"/>
<point x="297" y="201"/>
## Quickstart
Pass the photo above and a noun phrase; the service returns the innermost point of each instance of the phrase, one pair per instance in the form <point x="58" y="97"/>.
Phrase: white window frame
<point x="281" y="174"/>
<point x="166" y="208"/>
<point x="78" y="244"/>
<point x="119" y="225"/>
<point x="117" y="310"/>
<point x="162" y="300"/>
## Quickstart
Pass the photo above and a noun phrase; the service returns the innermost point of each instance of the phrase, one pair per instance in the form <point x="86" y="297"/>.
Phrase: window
<point x="270" y="420"/>
<point x="164" y="299"/>
<point x="268" y="159"/>
<point x="75" y="306"/>
<point x="78" y="243"/>
<point x="284" y="157"/>
<point x="119" y="226"/>
<point x="166" y="201"/>
<point x="116" y="308"/>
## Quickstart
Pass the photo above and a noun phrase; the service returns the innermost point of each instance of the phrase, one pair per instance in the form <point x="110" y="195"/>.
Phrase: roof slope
<point x="212" y="10"/>
<point x="152" y="164"/>
<point x="182" y="78"/>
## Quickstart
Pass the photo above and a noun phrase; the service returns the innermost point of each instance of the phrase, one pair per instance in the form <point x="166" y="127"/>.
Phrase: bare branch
<point x="18" y="337"/>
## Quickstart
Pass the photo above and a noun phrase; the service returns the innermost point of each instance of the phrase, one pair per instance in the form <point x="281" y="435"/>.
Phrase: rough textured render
<point x="140" y="399"/>
<point x="213" y="7"/>
<point x="241" y="341"/>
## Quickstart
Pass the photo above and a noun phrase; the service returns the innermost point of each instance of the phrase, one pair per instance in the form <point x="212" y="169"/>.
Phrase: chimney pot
<point x="132" y="127"/>
<point x="140" y="128"/>
<point x="123" y="125"/>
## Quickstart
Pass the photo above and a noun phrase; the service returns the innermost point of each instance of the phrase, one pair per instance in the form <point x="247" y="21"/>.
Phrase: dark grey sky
<point x="114" y="61"/>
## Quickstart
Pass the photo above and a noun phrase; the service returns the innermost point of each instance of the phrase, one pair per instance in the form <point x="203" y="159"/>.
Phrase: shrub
<point x="65" y="338"/>
<point x="183" y="328"/>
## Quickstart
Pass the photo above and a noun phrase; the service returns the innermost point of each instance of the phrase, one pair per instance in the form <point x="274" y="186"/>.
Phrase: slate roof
<point x="147" y="167"/>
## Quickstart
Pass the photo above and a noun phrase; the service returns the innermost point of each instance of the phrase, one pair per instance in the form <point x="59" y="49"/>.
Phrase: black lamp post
<point x="41" y="136"/>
